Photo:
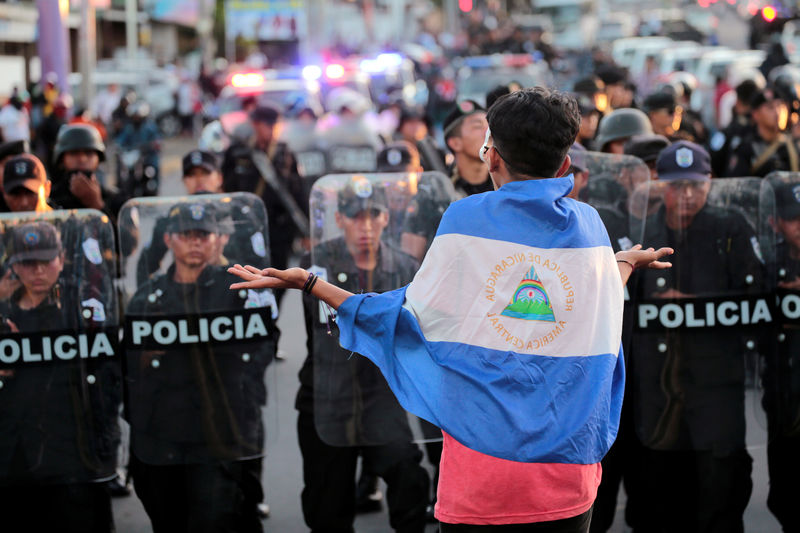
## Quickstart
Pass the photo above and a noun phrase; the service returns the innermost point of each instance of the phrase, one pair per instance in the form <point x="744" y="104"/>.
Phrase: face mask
<point x="485" y="147"/>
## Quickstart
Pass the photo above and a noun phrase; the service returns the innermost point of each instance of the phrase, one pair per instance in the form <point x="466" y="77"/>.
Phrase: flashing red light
<point x="465" y="5"/>
<point x="247" y="79"/>
<point x="769" y="13"/>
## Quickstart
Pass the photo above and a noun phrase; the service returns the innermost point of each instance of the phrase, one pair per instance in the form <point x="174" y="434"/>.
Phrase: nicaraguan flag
<point x="508" y="338"/>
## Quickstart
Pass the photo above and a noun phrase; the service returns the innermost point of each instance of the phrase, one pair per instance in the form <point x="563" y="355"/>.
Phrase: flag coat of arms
<point x="508" y="338"/>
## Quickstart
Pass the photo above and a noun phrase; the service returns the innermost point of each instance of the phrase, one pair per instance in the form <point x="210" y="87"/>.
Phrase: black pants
<point x="783" y="458"/>
<point x="576" y="524"/>
<point x="329" y="475"/>
<point x="209" y="498"/>
<point x="621" y="465"/>
<point x="695" y="491"/>
<point x="75" y="508"/>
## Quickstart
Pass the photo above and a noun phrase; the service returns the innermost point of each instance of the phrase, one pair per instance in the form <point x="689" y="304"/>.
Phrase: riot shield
<point x="779" y="383"/>
<point x="60" y="371"/>
<point x="615" y="185"/>
<point x="343" y="158"/>
<point x="196" y="352"/>
<point x="700" y="324"/>
<point x="353" y="248"/>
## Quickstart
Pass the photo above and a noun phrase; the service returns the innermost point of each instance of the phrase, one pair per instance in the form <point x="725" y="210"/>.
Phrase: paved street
<point x="282" y="478"/>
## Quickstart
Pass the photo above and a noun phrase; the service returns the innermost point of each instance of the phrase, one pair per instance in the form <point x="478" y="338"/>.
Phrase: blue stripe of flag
<point x="559" y="223"/>
<point x="520" y="407"/>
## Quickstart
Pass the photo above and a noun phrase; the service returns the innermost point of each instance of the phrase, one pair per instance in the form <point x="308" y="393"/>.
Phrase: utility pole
<point x="132" y="28"/>
<point x="87" y="53"/>
<point x="451" y="16"/>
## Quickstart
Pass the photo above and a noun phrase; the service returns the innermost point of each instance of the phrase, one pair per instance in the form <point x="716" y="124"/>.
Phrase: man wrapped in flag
<point x="508" y="338"/>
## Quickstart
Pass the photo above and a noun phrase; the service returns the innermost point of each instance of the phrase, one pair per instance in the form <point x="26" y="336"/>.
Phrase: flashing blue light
<point x="312" y="72"/>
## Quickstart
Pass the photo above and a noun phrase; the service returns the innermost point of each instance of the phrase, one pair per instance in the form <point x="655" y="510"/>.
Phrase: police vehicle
<point x="478" y="75"/>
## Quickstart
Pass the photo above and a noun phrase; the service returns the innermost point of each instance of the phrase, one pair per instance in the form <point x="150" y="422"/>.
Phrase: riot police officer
<point x="197" y="434"/>
<point x="23" y="178"/>
<point x="201" y="176"/>
<point x="265" y="167"/>
<point x="464" y="132"/>
<point x="77" y="156"/>
<point x="780" y="377"/>
<point x="769" y="147"/>
<point x="345" y="405"/>
<point x="688" y="380"/>
<point x="58" y="410"/>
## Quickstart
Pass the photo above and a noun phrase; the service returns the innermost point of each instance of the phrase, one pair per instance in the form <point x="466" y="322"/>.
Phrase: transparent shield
<point x="615" y="185"/>
<point x="60" y="370"/>
<point x="358" y="246"/>
<point x="197" y="353"/>
<point x="701" y="325"/>
<point x="780" y="369"/>
<point x="351" y="158"/>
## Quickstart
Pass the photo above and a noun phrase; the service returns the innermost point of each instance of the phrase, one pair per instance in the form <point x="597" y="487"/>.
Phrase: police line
<point x="140" y="332"/>
<point x="782" y="307"/>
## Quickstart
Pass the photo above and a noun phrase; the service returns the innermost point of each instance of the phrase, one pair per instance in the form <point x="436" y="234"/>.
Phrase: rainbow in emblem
<point x="530" y="301"/>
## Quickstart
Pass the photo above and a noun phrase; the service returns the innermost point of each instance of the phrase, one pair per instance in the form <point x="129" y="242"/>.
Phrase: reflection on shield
<point x="618" y="187"/>
<point x="196" y="352"/>
<point x="370" y="232"/>
<point x="60" y="373"/>
<point x="700" y="323"/>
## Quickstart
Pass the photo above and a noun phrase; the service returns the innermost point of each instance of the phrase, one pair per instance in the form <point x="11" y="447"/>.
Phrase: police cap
<point x="78" y="137"/>
<point x="684" y="160"/>
<point x="24" y="170"/>
<point x="660" y="100"/>
<point x="395" y="157"/>
<point x="461" y="111"/>
<point x="359" y="194"/>
<point x="199" y="158"/>
<point x="190" y="216"/>
<point x="37" y="241"/>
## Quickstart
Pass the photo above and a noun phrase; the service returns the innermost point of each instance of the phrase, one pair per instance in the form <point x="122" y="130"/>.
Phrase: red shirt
<point x="479" y="489"/>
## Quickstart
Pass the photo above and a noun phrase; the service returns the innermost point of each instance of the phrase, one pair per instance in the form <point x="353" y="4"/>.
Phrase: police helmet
<point x="622" y="124"/>
<point x="78" y="137"/>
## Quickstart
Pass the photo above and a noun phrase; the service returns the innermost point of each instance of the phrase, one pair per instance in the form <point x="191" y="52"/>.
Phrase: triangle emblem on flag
<point x="530" y="301"/>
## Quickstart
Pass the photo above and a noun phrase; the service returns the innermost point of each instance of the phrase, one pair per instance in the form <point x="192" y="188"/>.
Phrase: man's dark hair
<point x="493" y="95"/>
<point x="533" y="129"/>
<point x="746" y="90"/>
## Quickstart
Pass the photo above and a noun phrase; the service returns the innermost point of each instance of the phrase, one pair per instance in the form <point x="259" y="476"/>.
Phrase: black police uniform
<point x="239" y="173"/>
<point x="781" y="401"/>
<point x="58" y="433"/>
<point x="198" y="414"/>
<point x="328" y="497"/>
<point x="465" y="188"/>
<point x="746" y="158"/>
<point x="689" y="391"/>
<point x="740" y="130"/>
<point x="62" y="196"/>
